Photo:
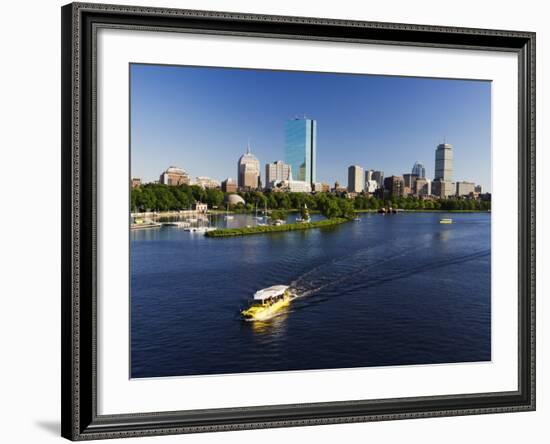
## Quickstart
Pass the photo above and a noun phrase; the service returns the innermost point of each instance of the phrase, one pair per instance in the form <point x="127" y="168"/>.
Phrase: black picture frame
<point x="80" y="420"/>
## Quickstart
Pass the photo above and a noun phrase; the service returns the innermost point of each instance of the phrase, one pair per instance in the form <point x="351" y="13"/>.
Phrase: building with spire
<point x="248" y="171"/>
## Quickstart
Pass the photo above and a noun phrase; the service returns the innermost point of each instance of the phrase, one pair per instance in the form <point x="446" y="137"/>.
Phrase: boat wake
<point x="365" y="269"/>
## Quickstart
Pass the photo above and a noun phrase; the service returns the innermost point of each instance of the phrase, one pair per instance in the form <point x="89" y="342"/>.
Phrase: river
<point x="397" y="289"/>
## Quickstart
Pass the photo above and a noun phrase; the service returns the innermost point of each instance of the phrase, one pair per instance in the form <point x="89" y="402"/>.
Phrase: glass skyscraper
<point x="419" y="170"/>
<point x="301" y="149"/>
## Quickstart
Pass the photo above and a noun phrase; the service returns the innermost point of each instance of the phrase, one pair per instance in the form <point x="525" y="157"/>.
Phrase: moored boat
<point x="177" y="223"/>
<point x="140" y="224"/>
<point x="267" y="303"/>
<point x="200" y="229"/>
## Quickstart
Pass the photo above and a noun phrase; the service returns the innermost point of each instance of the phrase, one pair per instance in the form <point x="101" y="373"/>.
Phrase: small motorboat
<point x="445" y="221"/>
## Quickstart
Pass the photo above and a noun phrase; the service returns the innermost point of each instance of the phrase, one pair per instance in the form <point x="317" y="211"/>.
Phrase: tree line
<point x="158" y="197"/>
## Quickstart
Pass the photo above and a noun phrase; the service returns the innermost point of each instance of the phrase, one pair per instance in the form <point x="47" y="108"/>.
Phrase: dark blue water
<point x="386" y="290"/>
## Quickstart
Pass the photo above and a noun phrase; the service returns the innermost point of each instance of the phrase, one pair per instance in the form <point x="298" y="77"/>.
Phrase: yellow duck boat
<point x="267" y="302"/>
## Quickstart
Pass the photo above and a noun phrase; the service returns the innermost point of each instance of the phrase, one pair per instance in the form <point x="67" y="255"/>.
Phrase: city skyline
<point x="168" y="121"/>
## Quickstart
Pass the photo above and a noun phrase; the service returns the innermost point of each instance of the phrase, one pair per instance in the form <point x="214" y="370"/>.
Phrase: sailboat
<point x="264" y="218"/>
<point x="306" y="219"/>
<point x="258" y="217"/>
<point x="227" y="215"/>
<point x="202" y="225"/>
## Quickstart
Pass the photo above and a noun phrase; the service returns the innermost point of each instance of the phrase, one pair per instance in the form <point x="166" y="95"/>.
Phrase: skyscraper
<point x="248" y="170"/>
<point x="301" y="148"/>
<point x="393" y="187"/>
<point x="418" y="169"/>
<point x="444" y="162"/>
<point x="356" y="179"/>
<point x="378" y="176"/>
<point x="465" y="188"/>
<point x="409" y="180"/>
<point x="276" y="171"/>
<point x="443" y="186"/>
<point x="422" y="187"/>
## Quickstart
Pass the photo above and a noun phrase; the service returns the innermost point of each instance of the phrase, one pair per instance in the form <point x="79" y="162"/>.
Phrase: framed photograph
<point x="276" y="221"/>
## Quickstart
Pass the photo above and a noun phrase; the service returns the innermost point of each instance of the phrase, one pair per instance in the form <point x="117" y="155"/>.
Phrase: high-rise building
<point x="393" y="187"/>
<point x="248" y="171"/>
<point x="174" y="176"/>
<point x="136" y="182"/>
<point x="443" y="188"/>
<point x="409" y="180"/>
<point x="229" y="186"/>
<point x="422" y="187"/>
<point x="443" y="185"/>
<point x="465" y="188"/>
<point x="478" y="189"/>
<point x="356" y="179"/>
<point x="418" y="169"/>
<point x="444" y="162"/>
<point x="371" y="186"/>
<point x="378" y="176"/>
<point x="275" y="172"/>
<point x="301" y="149"/>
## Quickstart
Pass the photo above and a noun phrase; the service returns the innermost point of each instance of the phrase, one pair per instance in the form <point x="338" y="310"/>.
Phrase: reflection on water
<point x="388" y="290"/>
<point x="445" y="235"/>
<point x="273" y="327"/>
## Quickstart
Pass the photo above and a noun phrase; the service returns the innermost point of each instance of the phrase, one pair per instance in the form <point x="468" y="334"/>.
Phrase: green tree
<point x="214" y="197"/>
<point x="278" y="215"/>
<point x="332" y="209"/>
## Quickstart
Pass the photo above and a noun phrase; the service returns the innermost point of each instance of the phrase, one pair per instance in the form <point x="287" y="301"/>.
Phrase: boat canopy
<point x="270" y="292"/>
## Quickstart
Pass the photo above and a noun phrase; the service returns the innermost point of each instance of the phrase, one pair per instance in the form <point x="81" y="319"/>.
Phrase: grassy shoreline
<point x="427" y="210"/>
<point x="161" y="214"/>
<point x="232" y="232"/>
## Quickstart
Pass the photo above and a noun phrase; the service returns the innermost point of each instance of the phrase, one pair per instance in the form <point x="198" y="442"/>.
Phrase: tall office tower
<point x="419" y="170"/>
<point x="368" y="175"/>
<point x="394" y="186"/>
<point x="248" y="170"/>
<point x="444" y="162"/>
<point x="356" y="179"/>
<point x="443" y="188"/>
<point x="276" y="172"/>
<point x="378" y="176"/>
<point x="301" y="149"/>
<point x="409" y="180"/>
<point x="422" y="187"/>
<point x="465" y="188"/>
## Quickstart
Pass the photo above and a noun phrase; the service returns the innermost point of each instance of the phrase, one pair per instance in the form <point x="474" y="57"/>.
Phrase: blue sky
<point x="201" y="119"/>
